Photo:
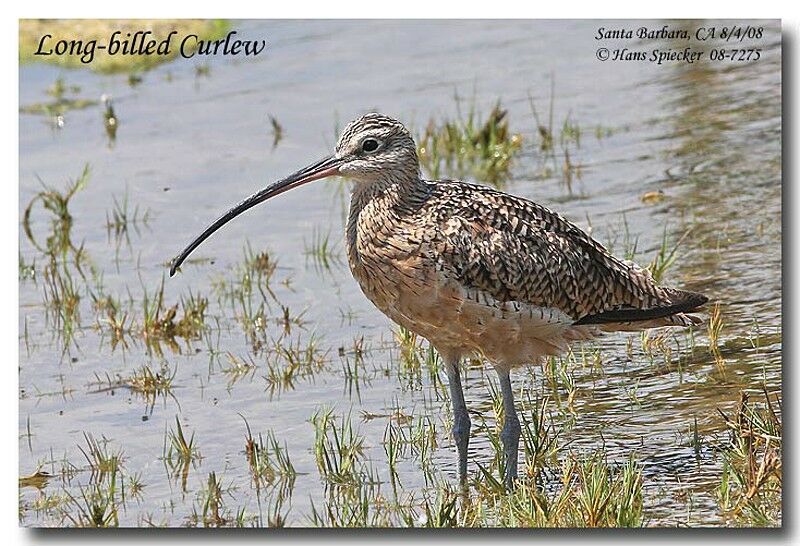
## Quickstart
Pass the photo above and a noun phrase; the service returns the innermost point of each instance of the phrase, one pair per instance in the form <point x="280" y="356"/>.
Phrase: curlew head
<point x="375" y="147"/>
<point x="371" y="149"/>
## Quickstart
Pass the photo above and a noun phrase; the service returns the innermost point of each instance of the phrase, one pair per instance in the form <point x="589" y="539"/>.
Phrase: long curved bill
<point x="328" y="166"/>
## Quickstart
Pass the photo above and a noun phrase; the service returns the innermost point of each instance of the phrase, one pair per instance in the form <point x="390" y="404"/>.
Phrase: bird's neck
<point x="389" y="192"/>
<point x="379" y="209"/>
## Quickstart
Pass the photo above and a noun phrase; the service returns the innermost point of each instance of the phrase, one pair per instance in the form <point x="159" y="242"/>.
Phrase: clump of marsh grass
<point x="411" y="357"/>
<point x="338" y="450"/>
<point x="666" y="255"/>
<point x="752" y="472"/>
<point x="354" y="506"/>
<point x="569" y="135"/>
<point x="549" y="134"/>
<point x="180" y="449"/>
<point x="260" y="263"/>
<point x="151" y="383"/>
<point x="116" y="319"/>
<point x="162" y="323"/>
<point x="249" y="294"/>
<point x="97" y="506"/>
<point x="98" y="503"/>
<point x="657" y="344"/>
<point x="322" y="251"/>
<point x="269" y="462"/>
<point x="145" y="381"/>
<point x="57" y="203"/>
<point x="590" y="493"/>
<point x="715" y="326"/>
<point x="213" y="509"/>
<point x="442" y="511"/>
<point x="289" y="361"/>
<point x="100" y="459"/>
<point x="238" y="368"/>
<point x="65" y="264"/>
<point x="135" y="486"/>
<point x="560" y="377"/>
<point x="630" y="242"/>
<point x="62" y="300"/>
<point x="353" y="368"/>
<point x="470" y="145"/>
<point x="539" y="438"/>
<point x="121" y="218"/>
<point x="135" y="78"/>
<point x="404" y="436"/>
<point x="202" y="70"/>
<point x="179" y="453"/>
<point x="416" y="356"/>
<point x="212" y="502"/>
<point x="393" y="443"/>
<point x="545" y="131"/>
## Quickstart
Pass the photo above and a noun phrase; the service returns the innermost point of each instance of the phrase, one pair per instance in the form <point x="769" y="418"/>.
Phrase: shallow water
<point x="188" y="146"/>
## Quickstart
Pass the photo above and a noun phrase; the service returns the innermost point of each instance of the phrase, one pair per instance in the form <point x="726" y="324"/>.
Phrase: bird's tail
<point x="671" y="313"/>
<point x="683" y="320"/>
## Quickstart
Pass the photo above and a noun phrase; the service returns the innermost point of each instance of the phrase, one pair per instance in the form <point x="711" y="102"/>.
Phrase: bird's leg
<point x="461" y="422"/>
<point x="511" y="429"/>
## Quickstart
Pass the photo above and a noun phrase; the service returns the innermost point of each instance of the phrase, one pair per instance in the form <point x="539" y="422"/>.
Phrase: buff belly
<point x="460" y="322"/>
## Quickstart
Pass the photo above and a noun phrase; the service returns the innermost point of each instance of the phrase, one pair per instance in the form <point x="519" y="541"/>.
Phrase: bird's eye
<point x="369" y="145"/>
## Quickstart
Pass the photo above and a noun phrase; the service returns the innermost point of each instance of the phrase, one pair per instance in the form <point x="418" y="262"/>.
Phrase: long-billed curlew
<point x="473" y="269"/>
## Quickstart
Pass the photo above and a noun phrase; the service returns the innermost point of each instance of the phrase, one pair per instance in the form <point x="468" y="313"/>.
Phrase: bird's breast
<point x="393" y="259"/>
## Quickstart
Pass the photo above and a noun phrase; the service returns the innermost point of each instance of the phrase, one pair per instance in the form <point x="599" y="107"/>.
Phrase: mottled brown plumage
<point x="473" y="269"/>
